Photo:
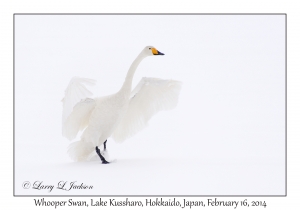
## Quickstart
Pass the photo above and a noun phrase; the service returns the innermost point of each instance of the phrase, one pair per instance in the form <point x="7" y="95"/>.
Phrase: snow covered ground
<point x="140" y="175"/>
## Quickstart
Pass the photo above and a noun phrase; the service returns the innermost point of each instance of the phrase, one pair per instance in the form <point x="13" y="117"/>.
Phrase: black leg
<point x="101" y="157"/>
<point x="105" y="144"/>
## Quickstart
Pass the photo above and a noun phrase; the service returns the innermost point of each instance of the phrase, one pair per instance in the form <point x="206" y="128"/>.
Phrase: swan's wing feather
<point x="75" y="92"/>
<point x="150" y="96"/>
<point x="79" y="118"/>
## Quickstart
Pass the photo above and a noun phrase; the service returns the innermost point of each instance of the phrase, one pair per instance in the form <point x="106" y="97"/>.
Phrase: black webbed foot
<point x="105" y="162"/>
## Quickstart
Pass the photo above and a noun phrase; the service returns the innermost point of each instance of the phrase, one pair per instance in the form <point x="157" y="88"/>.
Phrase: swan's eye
<point x="149" y="48"/>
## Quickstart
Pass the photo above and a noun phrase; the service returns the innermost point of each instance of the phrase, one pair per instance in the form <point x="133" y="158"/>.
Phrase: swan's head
<point x="150" y="50"/>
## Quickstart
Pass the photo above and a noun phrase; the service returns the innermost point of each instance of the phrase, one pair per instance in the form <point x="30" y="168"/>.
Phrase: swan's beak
<point x="159" y="53"/>
<point x="156" y="52"/>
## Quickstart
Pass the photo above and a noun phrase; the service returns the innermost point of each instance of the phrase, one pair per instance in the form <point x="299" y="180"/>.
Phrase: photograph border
<point x="14" y="185"/>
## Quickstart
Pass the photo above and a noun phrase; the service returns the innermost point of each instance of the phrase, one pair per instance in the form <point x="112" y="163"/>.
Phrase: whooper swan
<point x="119" y="115"/>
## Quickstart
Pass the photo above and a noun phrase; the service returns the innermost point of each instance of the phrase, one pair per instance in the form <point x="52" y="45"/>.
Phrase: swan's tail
<point x="80" y="150"/>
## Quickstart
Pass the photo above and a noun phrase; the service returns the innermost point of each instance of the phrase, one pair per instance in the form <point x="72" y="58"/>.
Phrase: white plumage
<point x="150" y="96"/>
<point x="75" y="92"/>
<point x="119" y="115"/>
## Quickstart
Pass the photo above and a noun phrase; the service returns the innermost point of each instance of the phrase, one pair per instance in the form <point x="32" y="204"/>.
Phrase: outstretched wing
<point x="75" y="92"/>
<point x="150" y="96"/>
<point x="79" y="118"/>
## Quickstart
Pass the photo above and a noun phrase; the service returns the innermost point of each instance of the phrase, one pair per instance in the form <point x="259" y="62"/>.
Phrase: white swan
<point x="119" y="115"/>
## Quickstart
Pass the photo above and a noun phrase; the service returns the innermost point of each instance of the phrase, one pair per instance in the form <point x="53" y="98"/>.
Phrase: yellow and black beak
<point x="156" y="52"/>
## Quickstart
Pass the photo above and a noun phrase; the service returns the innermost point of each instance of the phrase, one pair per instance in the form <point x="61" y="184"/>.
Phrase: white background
<point x="226" y="137"/>
<point x="233" y="6"/>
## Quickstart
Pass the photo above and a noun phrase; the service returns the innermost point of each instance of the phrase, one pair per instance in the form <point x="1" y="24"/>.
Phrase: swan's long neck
<point x="126" y="88"/>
